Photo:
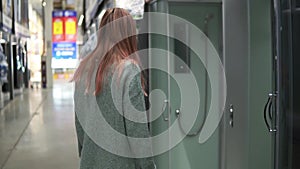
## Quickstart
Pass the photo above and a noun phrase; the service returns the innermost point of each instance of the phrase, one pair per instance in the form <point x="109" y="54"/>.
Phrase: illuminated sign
<point x="57" y="26"/>
<point x="64" y="36"/>
<point x="64" y="55"/>
<point x="64" y="27"/>
<point x="70" y="21"/>
<point x="64" y="50"/>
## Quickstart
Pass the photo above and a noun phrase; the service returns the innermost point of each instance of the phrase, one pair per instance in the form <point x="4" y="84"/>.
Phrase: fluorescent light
<point x="80" y="20"/>
<point x="101" y="16"/>
<point x="122" y="3"/>
<point x="2" y="41"/>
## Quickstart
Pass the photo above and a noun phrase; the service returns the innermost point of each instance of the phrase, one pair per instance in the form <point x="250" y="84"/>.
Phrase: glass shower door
<point x="287" y="37"/>
<point x="181" y="66"/>
<point x="188" y="74"/>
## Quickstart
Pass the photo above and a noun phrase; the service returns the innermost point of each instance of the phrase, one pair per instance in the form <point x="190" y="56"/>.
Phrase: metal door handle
<point x="178" y="115"/>
<point x="270" y="116"/>
<point x="177" y="112"/>
<point x="231" y="111"/>
<point x="166" y="102"/>
<point x="265" y="114"/>
<point x="268" y="109"/>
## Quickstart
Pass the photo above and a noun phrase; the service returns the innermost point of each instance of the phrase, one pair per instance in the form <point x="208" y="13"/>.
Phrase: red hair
<point x="116" y="42"/>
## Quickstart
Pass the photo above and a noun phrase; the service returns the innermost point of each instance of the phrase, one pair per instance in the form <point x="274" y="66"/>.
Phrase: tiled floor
<point x="37" y="130"/>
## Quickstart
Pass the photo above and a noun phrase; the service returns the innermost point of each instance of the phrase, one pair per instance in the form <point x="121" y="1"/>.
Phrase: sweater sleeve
<point x="133" y="89"/>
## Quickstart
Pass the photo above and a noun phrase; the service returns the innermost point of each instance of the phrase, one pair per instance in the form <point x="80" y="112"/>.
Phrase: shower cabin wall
<point x="158" y="80"/>
<point x="236" y="62"/>
<point x="287" y="49"/>
<point x="296" y="89"/>
<point x="241" y="32"/>
<point x="261" y="83"/>
<point x="207" y="17"/>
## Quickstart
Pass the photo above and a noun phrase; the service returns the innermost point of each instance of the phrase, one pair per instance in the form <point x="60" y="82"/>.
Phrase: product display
<point x="3" y="67"/>
<point x="135" y="7"/>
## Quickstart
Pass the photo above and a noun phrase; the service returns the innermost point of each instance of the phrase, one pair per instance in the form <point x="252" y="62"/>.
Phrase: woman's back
<point x="115" y="108"/>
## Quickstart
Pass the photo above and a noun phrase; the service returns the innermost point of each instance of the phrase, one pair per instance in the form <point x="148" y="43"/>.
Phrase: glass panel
<point x="285" y="4"/>
<point x="182" y="51"/>
<point x="261" y="83"/>
<point x="189" y="153"/>
<point x="159" y="80"/>
<point x="296" y="89"/>
<point x="285" y="119"/>
<point x="297" y="3"/>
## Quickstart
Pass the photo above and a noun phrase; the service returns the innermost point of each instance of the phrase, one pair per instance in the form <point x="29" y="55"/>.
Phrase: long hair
<point x="117" y="41"/>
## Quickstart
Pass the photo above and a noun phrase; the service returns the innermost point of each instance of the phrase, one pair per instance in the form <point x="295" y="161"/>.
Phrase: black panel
<point x="296" y="89"/>
<point x="297" y="3"/>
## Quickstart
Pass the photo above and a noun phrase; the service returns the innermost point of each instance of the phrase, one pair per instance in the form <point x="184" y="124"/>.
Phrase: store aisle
<point x="37" y="130"/>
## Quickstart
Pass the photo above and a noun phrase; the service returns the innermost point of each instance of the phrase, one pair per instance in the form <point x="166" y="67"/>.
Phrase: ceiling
<point x="37" y="5"/>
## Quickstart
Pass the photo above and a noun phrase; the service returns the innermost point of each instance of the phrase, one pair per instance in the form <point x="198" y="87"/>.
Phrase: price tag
<point x="58" y="28"/>
<point x="70" y="27"/>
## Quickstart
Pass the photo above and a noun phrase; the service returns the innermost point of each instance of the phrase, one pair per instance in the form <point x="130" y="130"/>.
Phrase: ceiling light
<point x="80" y="20"/>
<point x="101" y="14"/>
<point x="2" y="41"/>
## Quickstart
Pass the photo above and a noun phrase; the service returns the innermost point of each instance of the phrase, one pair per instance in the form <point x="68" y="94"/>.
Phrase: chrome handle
<point x="177" y="112"/>
<point x="273" y="129"/>
<point x="166" y="102"/>
<point x="265" y="114"/>
<point x="270" y="116"/>
<point x="178" y="115"/>
<point x="231" y="111"/>
<point x="268" y="109"/>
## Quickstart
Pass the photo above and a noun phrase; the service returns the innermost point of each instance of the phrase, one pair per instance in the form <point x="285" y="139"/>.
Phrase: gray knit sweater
<point x="91" y="154"/>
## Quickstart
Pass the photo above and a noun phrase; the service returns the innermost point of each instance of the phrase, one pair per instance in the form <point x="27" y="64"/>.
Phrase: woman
<point x="110" y="73"/>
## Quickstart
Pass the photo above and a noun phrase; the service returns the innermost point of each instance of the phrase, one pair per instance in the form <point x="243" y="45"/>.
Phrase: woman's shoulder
<point x="130" y="64"/>
<point x="129" y="67"/>
<point x="127" y="71"/>
<point x="124" y="69"/>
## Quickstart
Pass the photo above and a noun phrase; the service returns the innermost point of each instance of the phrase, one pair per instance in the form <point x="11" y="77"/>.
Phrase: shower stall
<point x="255" y="43"/>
